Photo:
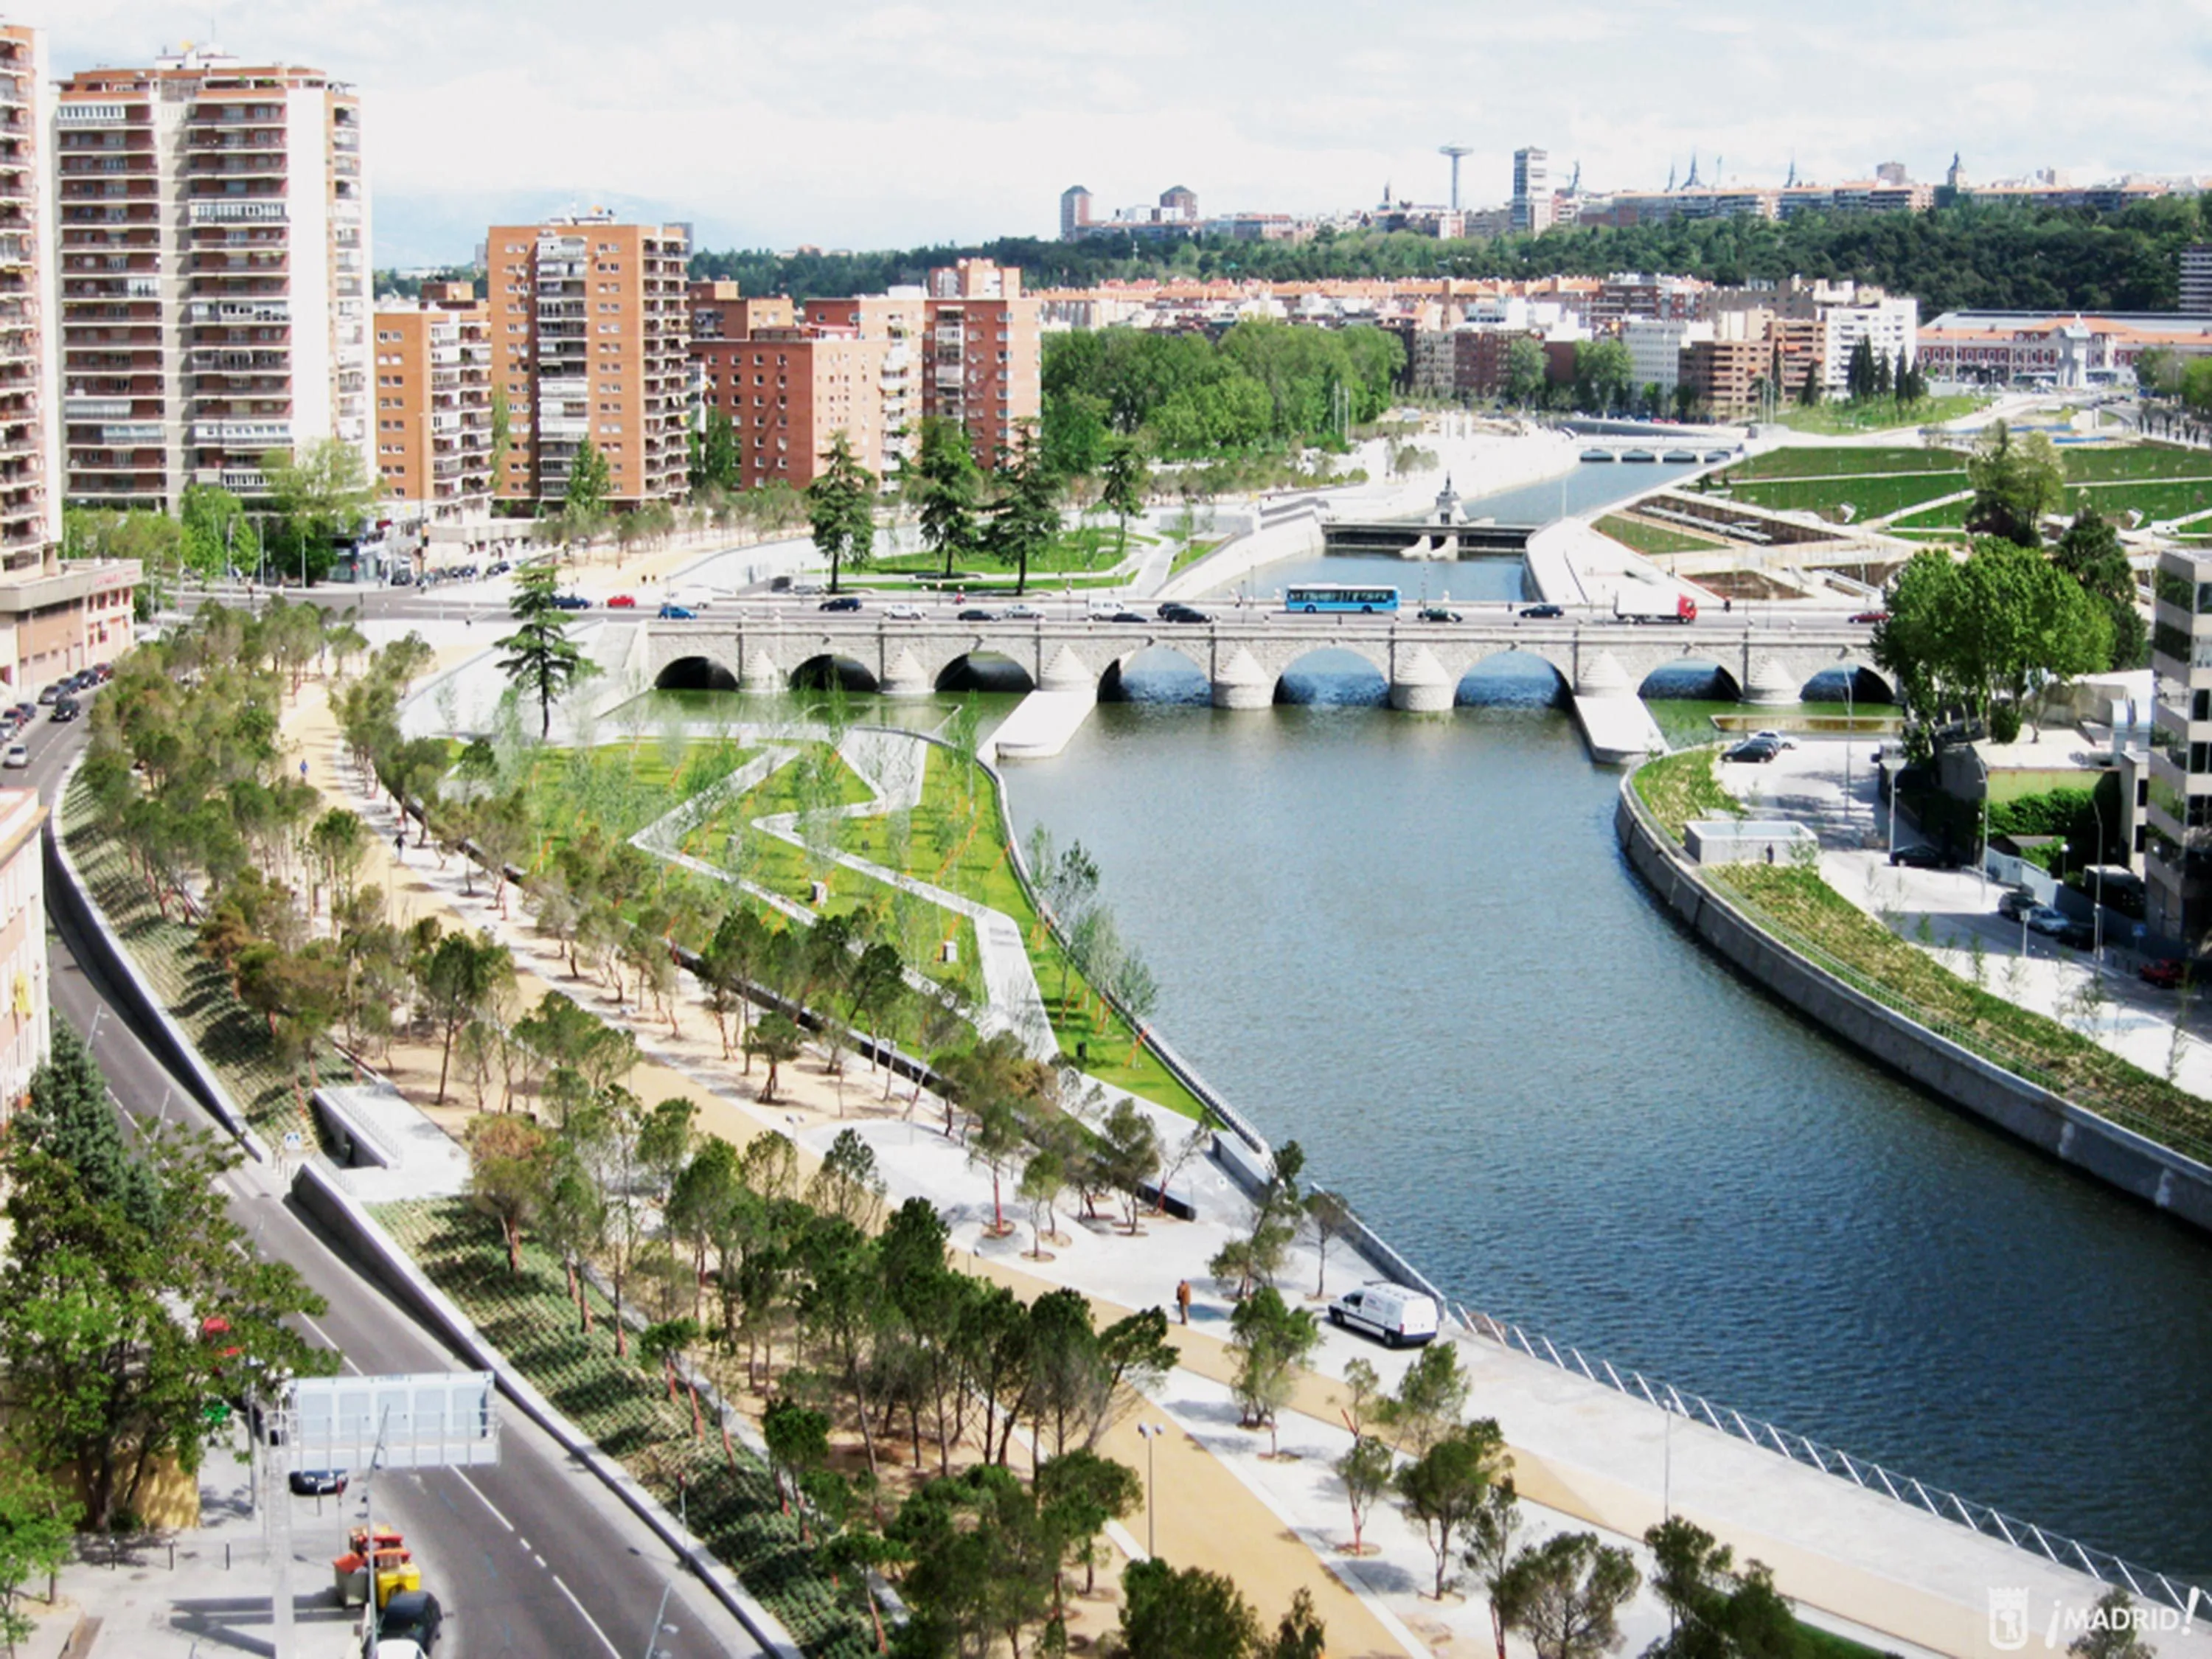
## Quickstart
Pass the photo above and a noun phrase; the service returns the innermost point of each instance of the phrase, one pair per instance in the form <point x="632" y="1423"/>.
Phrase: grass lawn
<point x="1825" y="462"/>
<point x="621" y="787"/>
<point x="1647" y="538"/>
<point x="1799" y="907"/>
<point x="1081" y="549"/>
<point x="1875" y="496"/>
<point x="1833" y="419"/>
<point x="1191" y="553"/>
<point x="2135" y="461"/>
<point x="623" y="1405"/>
<point x="1681" y="788"/>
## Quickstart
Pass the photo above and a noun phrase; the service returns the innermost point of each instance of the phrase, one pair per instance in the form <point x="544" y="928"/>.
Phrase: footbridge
<point x="1389" y="536"/>
<point x="1244" y="654"/>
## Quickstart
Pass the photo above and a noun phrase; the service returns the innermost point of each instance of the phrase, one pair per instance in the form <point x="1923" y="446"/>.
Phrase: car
<point x="1541" y="612"/>
<point x="1870" y="616"/>
<point x="2167" y="973"/>
<point x="1184" y="613"/>
<point x="974" y="614"/>
<point x="805" y="590"/>
<point x="497" y="568"/>
<point x="2015" y="904"/>
<point x="1438" y="613"/>
<point x="2077" y="935"/>
<point x="623" y="602"/>
<point x="66" y="708"/>
<point x="1780" y="740"/>
<point x="2042" y="918"/>
<point x="26" y="713"/>
<point x="1128" y="616"/>
<point x="403" y="577"/>
<point x="318" y="1483"/>
<point x="18" y="754"/>
<point x="1021" y="613"/>
<point x="678" y="613"/>
<point x="106" y="672"/>
<point x="571" y="602"/>
<point x="411" y="1616"/>
<point x="905" y="613"/>
<point x="1921" y="857"/>
<point x="46" y="697"/>
<point x="1391" y="1313"/>
<point x="1751" y="752"/>
<point x="840" y="602"/>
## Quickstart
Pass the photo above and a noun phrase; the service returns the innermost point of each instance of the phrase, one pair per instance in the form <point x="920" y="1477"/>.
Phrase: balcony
<point x="258" y="434"/>
<point x="131" y="433"/>
<point x="219" y="212"/>
<point x="235" y="312"/>
<point x="95" y="409"/>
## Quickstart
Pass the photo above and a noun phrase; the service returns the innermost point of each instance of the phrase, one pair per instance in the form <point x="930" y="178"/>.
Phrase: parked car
<point x="1779" y="739"/>
<point x="1391" y="1313"/>
<point x="1438" y="613"/>
<point x="840" y="602"/>
<point x="905" y="613"/>
<point x="104" y="671"/>
<point x="1751" y="752"/>
<point x="318" y="1483"/>
<point x="1870" y="616"/>
<point x="2016" y="903"/>
<point x="1022" y="613"/>
<point x="2167" y="973"/>
<point x="403" y="577"/>
<point x="66" y="708"/>
<point x="2042" y="918"/>
<point x="571" y="602"/>
<point x="412" y="1616"/>
<point x="47" y="697"/>
<point x="26" y="713"/>
<point x="623" y="602"/>
<point x="805" y="590"/>
<point x="1541" y="612"/>
<point x="976" y="614"/>
<point x="19" y="754"/>
<point x="497" y="568"/>
<point x="2078" y="935"/>
<point x="678" y="613"/>
<point x="1923" y="857"/>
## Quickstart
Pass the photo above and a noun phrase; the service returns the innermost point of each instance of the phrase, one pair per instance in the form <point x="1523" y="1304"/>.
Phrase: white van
<point x="1392" y="1313"/>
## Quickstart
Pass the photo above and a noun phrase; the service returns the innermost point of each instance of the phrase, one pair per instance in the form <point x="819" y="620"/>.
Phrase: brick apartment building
<point x="788" y="392"/>
<point x="590" y="335"/>
<point x="983" y="358"/>
<point x="434" y="416"/>
<point x="30" y="453"/>
<point x="214" y="235"/>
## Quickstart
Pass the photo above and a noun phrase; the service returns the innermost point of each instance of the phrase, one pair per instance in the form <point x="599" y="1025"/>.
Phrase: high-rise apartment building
<point x="30" y="457"/>
<point x="900" y="320"/>
<point x="591" y="329"/>
<point x="213" y="253"/>
<point x="2178" y="859"/>
<point x="788" y="392"/>
<point x="721" y="312"/>
<point x="1532" y="190"/>
<point x="984" y="367"/>
<point x="434" y="418"/>
<point x="1074" y="212"/>
<point x="2196" y="279"/>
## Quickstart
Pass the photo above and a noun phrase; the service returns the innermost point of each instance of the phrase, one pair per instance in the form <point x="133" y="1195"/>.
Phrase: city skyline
<point x="910" y="124"/>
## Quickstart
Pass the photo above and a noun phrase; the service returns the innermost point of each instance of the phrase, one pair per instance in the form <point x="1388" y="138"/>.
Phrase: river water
<point x="1413" y="945"/>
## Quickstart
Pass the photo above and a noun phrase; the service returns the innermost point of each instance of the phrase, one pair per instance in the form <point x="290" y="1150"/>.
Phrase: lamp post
<point x="652" y="1648"/>
<point x="1151" y="1432"/>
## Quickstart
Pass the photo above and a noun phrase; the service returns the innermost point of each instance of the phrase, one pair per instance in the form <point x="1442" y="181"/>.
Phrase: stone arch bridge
<point x="1243" y="656"/>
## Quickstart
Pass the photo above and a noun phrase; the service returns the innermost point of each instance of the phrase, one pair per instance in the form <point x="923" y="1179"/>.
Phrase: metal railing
<point x="1943" y="1504"/>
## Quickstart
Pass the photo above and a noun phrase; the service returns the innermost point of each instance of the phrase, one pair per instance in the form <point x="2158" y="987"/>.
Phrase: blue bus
<point x="1318" y="597"/>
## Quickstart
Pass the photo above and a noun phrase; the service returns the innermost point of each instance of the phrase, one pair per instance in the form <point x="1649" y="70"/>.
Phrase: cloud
<point x="927" y="120"/>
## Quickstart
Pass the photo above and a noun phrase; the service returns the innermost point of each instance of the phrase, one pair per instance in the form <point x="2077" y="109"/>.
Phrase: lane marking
<point x="482" y="1499"/>
<point x="344" y="1358"/>
<point x="560" y="1585"/>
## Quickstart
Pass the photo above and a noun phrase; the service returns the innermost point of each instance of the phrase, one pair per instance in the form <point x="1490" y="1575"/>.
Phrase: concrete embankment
<point x="2072" y="1133"/>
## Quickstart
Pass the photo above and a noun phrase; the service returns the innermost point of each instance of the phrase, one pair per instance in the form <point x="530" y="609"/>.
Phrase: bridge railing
<point x="1944" y="1504"/>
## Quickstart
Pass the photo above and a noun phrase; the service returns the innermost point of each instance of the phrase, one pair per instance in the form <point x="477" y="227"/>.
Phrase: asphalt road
<point x="529" y="1559"/>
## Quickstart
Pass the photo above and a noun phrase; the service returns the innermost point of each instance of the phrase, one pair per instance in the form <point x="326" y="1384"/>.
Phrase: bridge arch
<point x="1333" y="675"/>
<point x="1158" y="670"/>
<point x="1512" y="679"/>
<point x="1868" y="684"/>
<point x="984" y="670"/>
<point x="696" y="673"/>
<point x="1692" y="674"/>
<point x="819" y="672"/>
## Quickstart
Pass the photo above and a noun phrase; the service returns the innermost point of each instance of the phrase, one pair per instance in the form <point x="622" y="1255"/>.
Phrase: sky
<point x="899" y="125"/>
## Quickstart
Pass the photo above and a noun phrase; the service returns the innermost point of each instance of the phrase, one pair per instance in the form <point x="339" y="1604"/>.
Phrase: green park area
<point x="1798" y="906"/>
<point x="1874" y="414"/>
<point x="1646" y="536"/>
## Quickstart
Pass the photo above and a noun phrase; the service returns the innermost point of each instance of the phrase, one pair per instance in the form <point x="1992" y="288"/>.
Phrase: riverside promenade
<point x="1586" y="1455"/>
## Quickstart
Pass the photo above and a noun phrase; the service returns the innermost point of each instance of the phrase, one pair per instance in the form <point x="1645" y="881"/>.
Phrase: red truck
<point x="1658" y="607"/>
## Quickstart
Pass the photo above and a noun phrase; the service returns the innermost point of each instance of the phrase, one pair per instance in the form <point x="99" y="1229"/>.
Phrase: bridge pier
<point x="1241" y="682"/>
<point x="1767" y="681"/>
<point x="902" y="676"/>
<point x="1419" y="685"/>
<point x="760" y="677"/>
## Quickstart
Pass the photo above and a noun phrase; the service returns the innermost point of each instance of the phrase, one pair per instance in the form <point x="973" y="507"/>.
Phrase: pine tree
<point x="69" y="1118"/>
<point x="841" y="506"/>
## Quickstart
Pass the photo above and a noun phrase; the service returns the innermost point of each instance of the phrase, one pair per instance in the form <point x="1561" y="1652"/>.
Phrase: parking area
<point x="1828" y="784"/>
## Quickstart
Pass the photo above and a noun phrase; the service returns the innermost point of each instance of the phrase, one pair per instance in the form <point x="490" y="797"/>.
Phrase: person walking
<point x="1182" y="1300"/>
<point x="400" y="845"/>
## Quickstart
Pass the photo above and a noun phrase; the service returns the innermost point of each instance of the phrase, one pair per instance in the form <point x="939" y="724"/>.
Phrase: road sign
<point x="427" y="1420"/>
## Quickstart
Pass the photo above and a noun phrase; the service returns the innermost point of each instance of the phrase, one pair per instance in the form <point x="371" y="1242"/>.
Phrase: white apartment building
<point x="1892" y="325"/>
<point x="214" y="304"/>
<point x="1655" y="350"/>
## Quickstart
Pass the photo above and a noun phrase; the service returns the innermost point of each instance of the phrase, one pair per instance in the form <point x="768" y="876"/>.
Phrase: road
<point x="532" y="1559"/>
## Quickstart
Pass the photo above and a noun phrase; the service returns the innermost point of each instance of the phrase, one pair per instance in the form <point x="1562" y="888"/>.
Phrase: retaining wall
<point x="2074" y="1135"/>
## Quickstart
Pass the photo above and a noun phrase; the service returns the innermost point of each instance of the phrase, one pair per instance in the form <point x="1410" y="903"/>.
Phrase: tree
<point x="715" y="462"/>
<point x="321" y="494"/>
<point x="1604" y="373"/>
<point x="1366" y="1471"/>
<point x="218" y="536"/>
<point x="541" y="661"/>
<point x="1301" y="1634"/>
<point x="1446" y="1487"/>
<point x="1024" y="515"/>
<point x="68" y="1118"/>
<point x="584" y="499"/>
<point x="2112" y="1632"/>
<point x="841" y="508"/>
<point x="1127" y="475"/>
<point x="2090" y="552"/>
<point x="1489" y="1533"/>
<point x="502" y="435"/>
<point x="1565" y="1594"/>
<point x="946" y="486"/>
<point x="1330" y="1217"/>
<point x="1081" y="1491"/>
<point x="464" y="977"/>
<point x="1129" y="1154"/>
<point x="37" y="1522"/>
<point x="1270" y="1340"/>
<point x="1182" y="1613"/>
<point x="1526" y="371"/>
<point x="509" y="1174"/>
<point x="2016" y="482"/>
<point x="1431" y="1396"/>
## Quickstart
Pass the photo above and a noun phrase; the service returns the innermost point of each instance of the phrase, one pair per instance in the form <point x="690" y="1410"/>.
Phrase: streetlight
<point x="1151" y="1432"/>
<point x="652" y="1648"/>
